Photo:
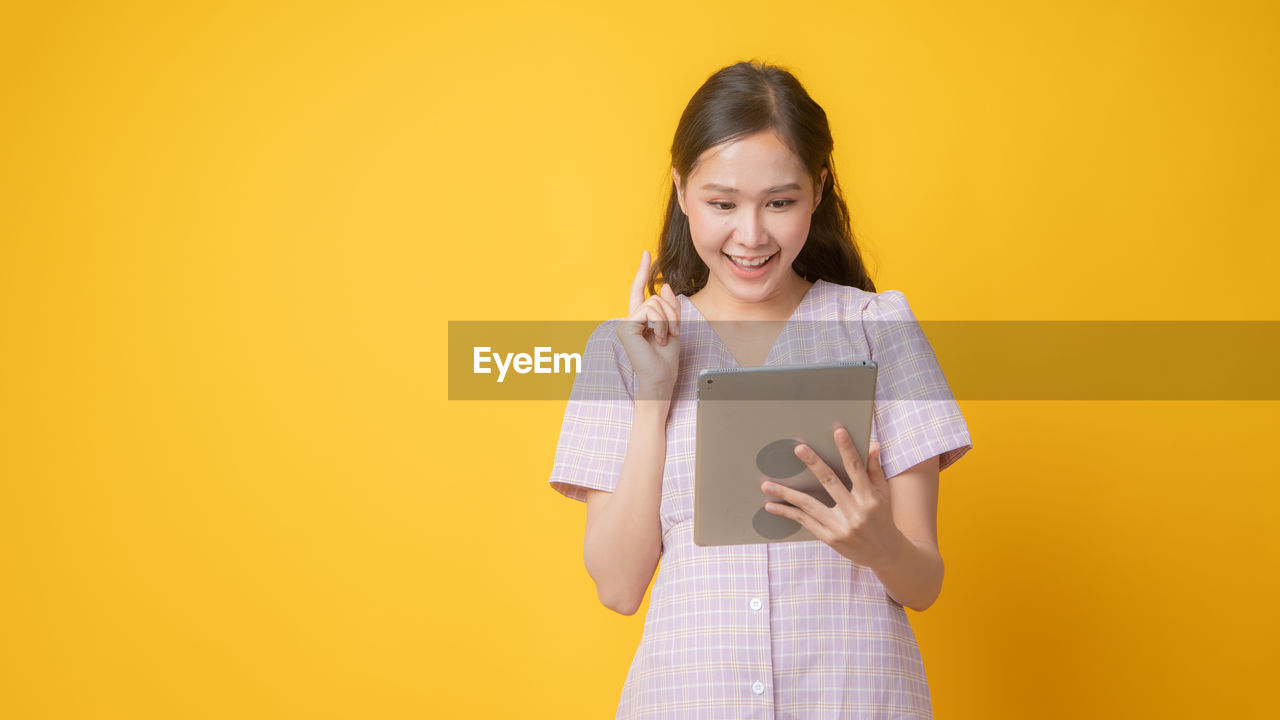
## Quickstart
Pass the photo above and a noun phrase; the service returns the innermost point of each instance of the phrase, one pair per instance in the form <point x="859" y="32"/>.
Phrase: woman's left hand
<point x="860" y="526"/>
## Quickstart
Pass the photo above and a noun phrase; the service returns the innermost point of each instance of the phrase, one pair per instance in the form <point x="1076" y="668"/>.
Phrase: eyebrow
<point x="770" y="191"/>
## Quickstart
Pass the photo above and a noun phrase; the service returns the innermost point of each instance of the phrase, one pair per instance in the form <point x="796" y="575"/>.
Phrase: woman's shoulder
<point x="852" y="302"/>
<point x="603" y="346"/>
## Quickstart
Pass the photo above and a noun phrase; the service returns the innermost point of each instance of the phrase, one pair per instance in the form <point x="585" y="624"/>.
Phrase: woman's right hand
<point x="654" y="351"/>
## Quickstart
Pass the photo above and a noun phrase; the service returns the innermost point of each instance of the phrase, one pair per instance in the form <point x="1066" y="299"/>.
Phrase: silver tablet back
<point x="749" y="422"/>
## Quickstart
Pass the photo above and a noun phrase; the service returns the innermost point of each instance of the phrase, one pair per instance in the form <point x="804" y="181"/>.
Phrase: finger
<point x="800" y="499"/>
<point x="830" y="481"/>
<point x="852" y="461"/>
<point x="634" y="324"/>
<point x="640" y="321"/>
<point x="873" y="463"/>
<point x="670" y="313"/>
<point x="656" y="320"/>
<point x="804" y="519"/>
<point x="637" y="285"/>
<point x="670" y="295"/>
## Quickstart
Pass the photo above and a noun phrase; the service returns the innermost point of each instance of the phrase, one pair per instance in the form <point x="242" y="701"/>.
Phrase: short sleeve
<point x="916" y="416"/>
<point x="597" y="418"/>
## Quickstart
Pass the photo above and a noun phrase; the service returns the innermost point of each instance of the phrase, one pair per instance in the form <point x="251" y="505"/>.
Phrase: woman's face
<point x="749" y="201"/>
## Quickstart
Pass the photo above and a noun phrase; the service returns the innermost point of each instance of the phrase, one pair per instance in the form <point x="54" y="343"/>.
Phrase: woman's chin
<point x="752" y="291"/>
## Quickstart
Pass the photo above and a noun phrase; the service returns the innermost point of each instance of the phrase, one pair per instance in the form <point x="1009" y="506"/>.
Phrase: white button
<point x="756" y="604"/>
<point x="757" y="688"/>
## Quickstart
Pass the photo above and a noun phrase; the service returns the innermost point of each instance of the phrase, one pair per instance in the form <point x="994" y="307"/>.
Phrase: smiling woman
<point x="752" y="177"/>
<point x="749" y="238"/>
<point x="757" y="247"/>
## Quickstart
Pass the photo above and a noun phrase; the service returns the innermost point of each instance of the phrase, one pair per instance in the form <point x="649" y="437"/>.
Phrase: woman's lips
<point x="749" y="273"/>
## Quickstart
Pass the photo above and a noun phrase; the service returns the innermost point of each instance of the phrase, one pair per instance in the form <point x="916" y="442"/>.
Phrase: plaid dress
<point x="777" y="630"/>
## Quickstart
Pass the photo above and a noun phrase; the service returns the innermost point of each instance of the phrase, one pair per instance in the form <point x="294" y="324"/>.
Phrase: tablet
<point x="749" y="421"/>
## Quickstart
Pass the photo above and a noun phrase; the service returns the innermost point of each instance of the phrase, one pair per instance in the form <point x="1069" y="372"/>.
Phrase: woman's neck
<point x="714" y="302"/>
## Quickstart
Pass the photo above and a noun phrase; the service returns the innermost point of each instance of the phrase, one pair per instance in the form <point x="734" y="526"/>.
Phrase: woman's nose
<point x="750" y="229"/>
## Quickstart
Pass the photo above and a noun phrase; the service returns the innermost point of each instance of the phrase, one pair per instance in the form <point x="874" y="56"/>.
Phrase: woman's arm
<point x="912" y="573"/>
<point x="624" y="534"/>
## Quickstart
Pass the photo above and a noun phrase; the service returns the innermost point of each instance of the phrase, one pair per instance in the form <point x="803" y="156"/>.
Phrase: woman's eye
<point x="775" y="204"/>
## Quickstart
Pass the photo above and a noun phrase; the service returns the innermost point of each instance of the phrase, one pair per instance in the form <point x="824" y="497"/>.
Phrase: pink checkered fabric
<point x="783" y="630"/>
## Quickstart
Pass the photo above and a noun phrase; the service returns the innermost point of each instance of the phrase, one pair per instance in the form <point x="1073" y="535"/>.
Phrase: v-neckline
<point x="777" y="342"/>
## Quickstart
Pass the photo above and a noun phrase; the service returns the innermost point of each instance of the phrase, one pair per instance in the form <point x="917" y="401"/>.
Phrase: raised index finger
<point x="637" y="285"/>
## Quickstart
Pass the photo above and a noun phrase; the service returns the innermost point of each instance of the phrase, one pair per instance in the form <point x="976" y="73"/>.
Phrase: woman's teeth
<point x="750" y="263"/>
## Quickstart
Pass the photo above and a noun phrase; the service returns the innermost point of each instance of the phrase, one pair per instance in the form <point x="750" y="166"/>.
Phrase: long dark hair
<point x="741" y="100"/>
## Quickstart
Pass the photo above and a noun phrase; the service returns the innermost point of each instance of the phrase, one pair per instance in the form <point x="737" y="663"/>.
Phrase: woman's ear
<point x="675" y="178"/>
<point x="822" y="184"/>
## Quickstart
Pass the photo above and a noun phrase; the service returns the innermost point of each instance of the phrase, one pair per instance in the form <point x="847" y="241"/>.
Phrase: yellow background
<point x="231" y="237"/>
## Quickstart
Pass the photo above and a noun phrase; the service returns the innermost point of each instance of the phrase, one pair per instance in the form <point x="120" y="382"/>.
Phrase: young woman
<point x="757" y="246"/>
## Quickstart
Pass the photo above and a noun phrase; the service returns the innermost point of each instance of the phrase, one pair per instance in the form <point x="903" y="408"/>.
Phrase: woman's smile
<point x="752" y="266"/>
